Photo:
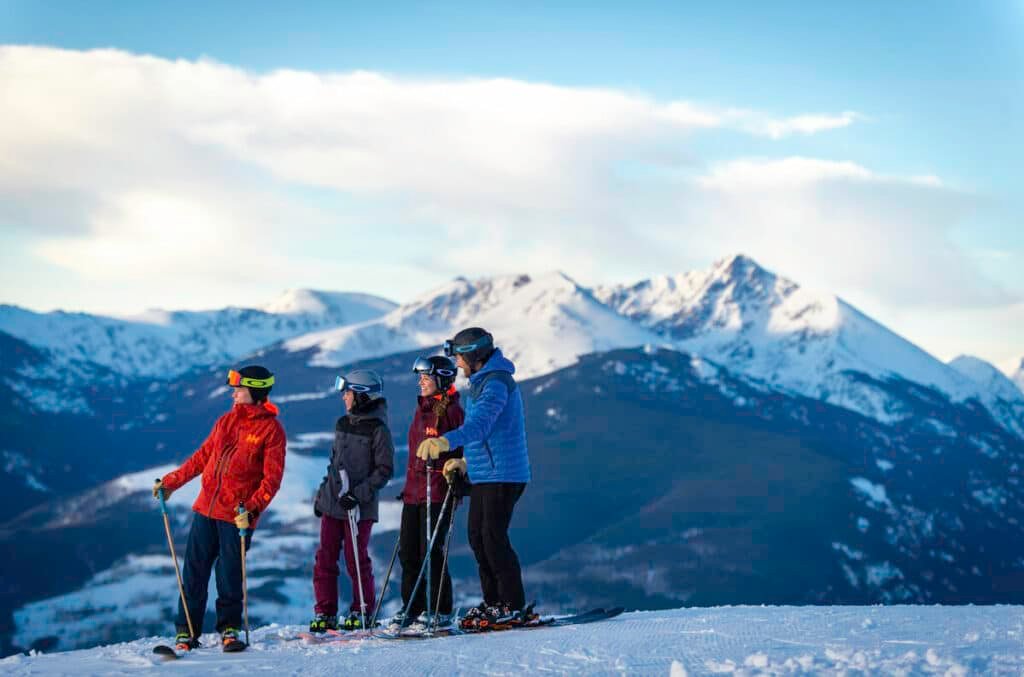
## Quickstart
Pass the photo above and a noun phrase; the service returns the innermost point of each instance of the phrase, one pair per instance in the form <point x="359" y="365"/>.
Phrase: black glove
<point x="317" y="513"/>
<point x="348" y="501"/>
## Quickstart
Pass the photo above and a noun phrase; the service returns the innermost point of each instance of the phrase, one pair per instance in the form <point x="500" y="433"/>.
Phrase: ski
<point x="168" y="652"/>
<point x="340" y="637"/>
<point x="172" y="652"/>
<point x="329" y="636"/>
<point x="591" y="616"/>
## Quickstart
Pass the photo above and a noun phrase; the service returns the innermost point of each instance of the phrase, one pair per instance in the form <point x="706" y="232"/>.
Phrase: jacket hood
<point x="373" y="409"/>
<point x="498" y="362"/>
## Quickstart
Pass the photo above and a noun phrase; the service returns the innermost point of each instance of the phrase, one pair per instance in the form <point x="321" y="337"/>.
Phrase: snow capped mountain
<point x="541" y="322"/>
<point x="770" y="329"/>
<point x="988" y="377"/>
<point x="163" y="344"/>
<point x="1018" y="376"/>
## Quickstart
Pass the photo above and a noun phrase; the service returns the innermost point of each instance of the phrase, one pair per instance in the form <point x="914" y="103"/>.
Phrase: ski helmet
<point x="257" y="379"/>
<point x="365" y="384"/>
<point x="443" y="370"/>
<point x="474" y="344"/>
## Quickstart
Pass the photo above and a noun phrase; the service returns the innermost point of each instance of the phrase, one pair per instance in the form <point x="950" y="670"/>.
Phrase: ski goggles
<point x="451" y="349"/>
<point x="341" y="385"/>
<point x="424" y="366"/>
<point x="236" y="380"/>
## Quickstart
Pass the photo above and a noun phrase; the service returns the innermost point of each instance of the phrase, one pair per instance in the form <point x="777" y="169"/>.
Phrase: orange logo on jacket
<point x="431" y="432"/>
<point x="252" y="439"/>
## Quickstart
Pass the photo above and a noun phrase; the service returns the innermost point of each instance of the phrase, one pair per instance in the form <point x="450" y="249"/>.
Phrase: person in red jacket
<point x="437" y="411"/>
<point x="242" y="462"/>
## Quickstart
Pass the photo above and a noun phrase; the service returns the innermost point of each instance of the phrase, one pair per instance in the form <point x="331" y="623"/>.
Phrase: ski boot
<point x="525" y="616"/>
<point x="323" y="623"/>
<point x="471" y="621"/>
<point x="397" y="622"/>
<point x="185" y="642"/>
<point x="496" y="616"/>
<point x="442" y="621"/>
<point x="230" y="642"/>
<point x="353" y="622"/>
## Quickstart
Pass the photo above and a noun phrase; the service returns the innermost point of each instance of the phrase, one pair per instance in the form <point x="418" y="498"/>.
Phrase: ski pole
<point x="177" y="570"/>
<point x="245" y="593"/>
<point x="444" y="559"/>
<point x="353" y="528"/>
<point x="387" y="577"/>
<point x="430" y="546"/>
<point x="430" y="467"/>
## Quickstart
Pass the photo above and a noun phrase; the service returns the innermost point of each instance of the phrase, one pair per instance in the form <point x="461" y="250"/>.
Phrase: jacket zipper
<point x="222" y="465"/>
<point x="490" y="455"/>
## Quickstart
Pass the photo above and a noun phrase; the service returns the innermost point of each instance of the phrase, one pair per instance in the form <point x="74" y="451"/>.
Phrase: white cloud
<point x="128" y="163"/>
<point x="803" y="124"/>
<point x="131" y="169"/>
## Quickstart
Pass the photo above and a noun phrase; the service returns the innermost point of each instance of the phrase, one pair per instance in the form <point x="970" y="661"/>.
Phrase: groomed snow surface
<point x="899" y="640"/>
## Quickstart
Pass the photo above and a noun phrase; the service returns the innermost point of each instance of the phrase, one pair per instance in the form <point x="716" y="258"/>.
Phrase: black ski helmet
<point x="440" y="367"/>
<point x="248" y="377"/>
<point x="474" y="344"/>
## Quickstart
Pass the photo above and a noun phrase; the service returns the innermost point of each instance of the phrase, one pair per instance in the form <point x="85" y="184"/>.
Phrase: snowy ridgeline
<point x="721" y="640"/>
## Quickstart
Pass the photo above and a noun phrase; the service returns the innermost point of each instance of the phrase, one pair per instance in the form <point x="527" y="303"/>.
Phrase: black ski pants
<point x="212" y="542"/>
<point x="490" y="513"/>
<point x="412" y="551"/>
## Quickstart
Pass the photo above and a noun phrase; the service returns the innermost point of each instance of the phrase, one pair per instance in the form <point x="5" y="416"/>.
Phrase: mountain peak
<point x="316" y="302"/>
<point x="739" y="264"/>
<point x="1018" y="376"/>
<point x="298" y="301"/>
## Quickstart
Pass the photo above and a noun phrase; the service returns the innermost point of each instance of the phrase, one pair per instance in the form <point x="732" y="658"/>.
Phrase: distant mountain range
<point x="722" y="436"/>
<point x="161" y="345"/>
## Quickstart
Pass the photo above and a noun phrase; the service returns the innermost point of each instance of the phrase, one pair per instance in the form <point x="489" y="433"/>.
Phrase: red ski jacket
<point x="242" y="460"/>
<point x="425" y="424"/>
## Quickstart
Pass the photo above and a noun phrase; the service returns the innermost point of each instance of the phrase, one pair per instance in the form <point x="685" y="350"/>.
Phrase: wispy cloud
<point x="801" y="124"/>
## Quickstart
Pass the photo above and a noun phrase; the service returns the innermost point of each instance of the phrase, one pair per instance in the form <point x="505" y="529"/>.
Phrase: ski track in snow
<point x="722" y="640"/>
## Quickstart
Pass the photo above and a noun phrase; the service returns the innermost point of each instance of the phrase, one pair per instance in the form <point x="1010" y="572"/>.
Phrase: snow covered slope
<point x="541" y="322"/>
<point x="733" y="640"/>
<point x="163" y="344"/>
<point x="814" y="344"/>
<point x="134" y="593"/>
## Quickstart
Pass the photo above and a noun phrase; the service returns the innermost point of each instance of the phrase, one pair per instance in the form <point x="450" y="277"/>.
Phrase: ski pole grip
<point x="160" y="495"/>
<point x="241" y="511"/>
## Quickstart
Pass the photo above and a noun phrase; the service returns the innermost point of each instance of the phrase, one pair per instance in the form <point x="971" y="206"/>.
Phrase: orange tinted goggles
<point x="236" y="380"/>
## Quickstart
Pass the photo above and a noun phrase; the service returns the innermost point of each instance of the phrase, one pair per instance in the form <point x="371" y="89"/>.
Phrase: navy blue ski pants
<point x="212" y="542"/>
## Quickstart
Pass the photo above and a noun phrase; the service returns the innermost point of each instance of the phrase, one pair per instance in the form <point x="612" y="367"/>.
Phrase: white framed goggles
<point x="424" y="366"/>
<point x="341" y="385"/>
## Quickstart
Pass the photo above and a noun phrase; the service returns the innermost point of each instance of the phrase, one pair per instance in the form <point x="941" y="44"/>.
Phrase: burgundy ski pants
<point x="333" y="534"/>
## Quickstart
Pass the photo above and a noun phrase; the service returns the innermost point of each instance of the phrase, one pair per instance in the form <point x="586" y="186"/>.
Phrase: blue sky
<point x="933" y="91"/>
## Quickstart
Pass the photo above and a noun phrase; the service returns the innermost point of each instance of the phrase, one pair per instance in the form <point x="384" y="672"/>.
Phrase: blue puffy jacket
<point x="493" y="436"/>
